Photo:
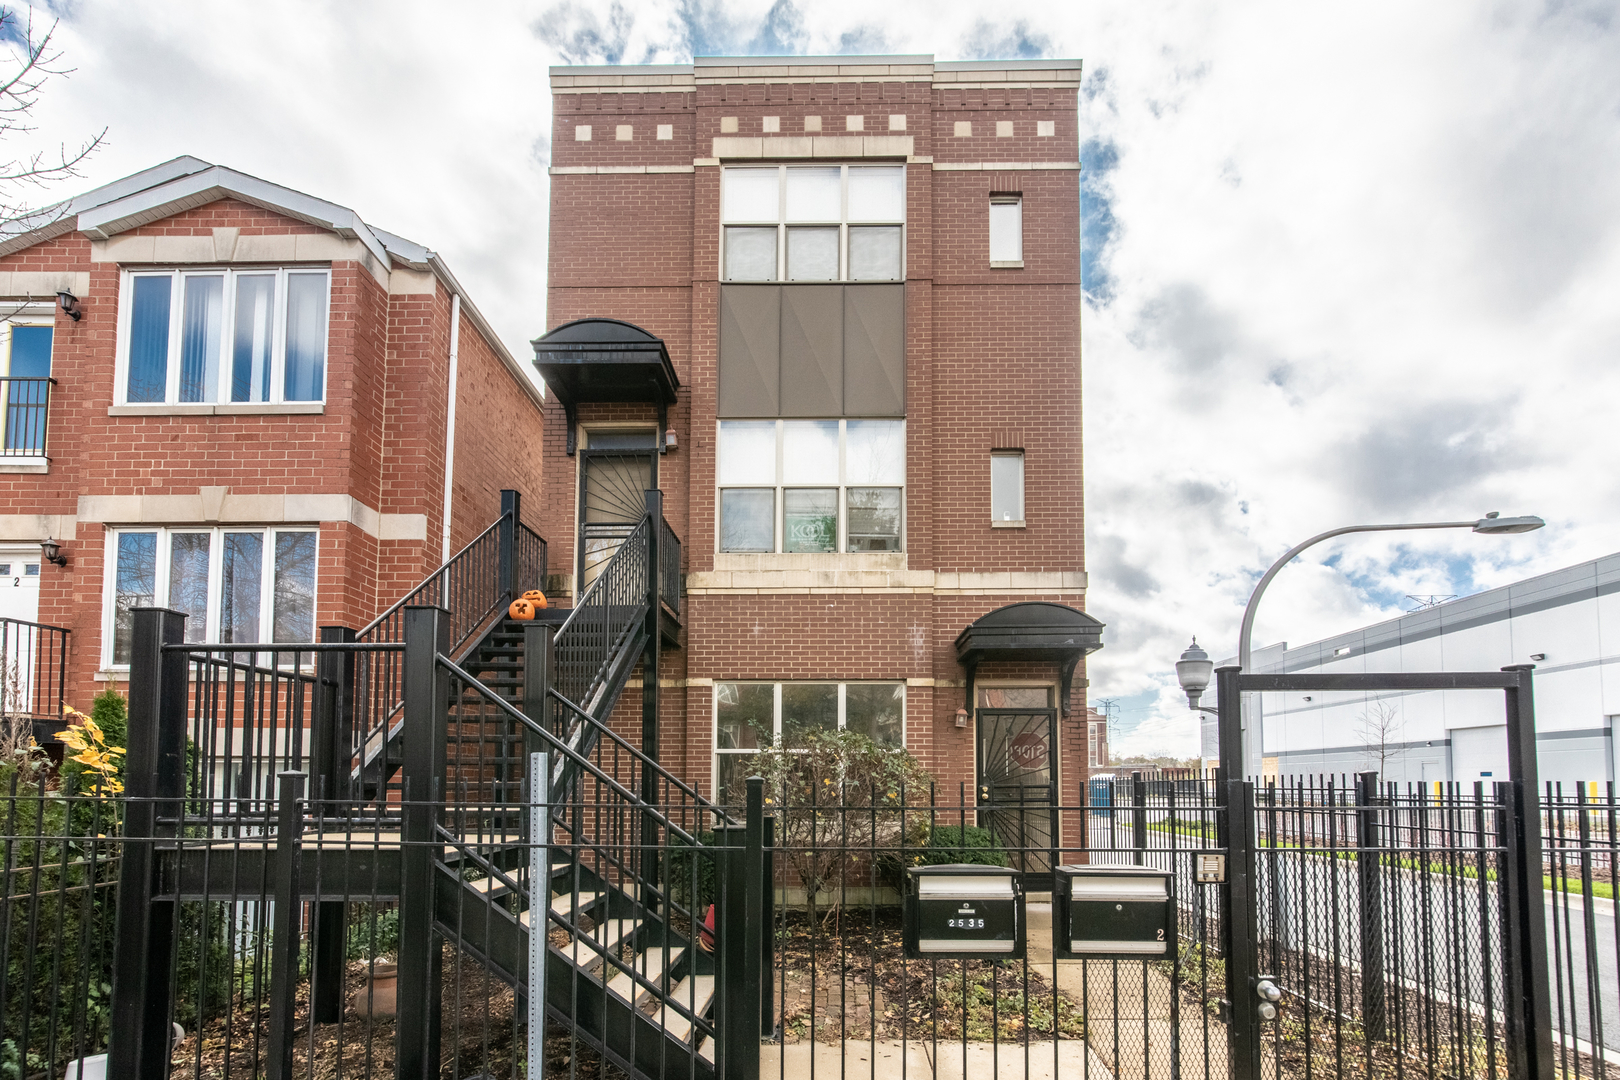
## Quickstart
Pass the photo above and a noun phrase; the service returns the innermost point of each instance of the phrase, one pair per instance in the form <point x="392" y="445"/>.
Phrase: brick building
<point x="241" y="401"/>
<point x="854" y="287"/>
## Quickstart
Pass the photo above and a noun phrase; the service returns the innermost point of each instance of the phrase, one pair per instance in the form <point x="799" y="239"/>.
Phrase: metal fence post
<point x="767" y="1000"/>
<point x="539" y="897"/>
<point x="1529" y="1013"/>
<point x="1369" y="880"/>
<point x="1239" y="903"/>
<point x="539" y="666"/>
<point x="155" y="785"/>
<point x="331" y="754"/>
<point x="285" y="923"/>
<point x="511" y="505"/>
<point x="427" y="705"/>
<point x="1139" y="818"/>
<point x="650" y="689"/>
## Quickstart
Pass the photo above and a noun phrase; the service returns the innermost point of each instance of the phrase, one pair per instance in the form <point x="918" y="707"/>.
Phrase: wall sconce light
<point x="961" y="718"/>
<point x="669" y="439"/>
<point x="1538" y="656"/>
<point x="70" y="305"/>
<point x="53" y="552"/>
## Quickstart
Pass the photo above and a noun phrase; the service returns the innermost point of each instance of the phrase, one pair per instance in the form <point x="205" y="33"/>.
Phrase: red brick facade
<point x="992" y="362"/>
<point x="378" y="440"/>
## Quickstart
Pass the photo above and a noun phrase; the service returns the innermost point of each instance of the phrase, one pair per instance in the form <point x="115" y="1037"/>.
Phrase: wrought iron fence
<point x="669" y="566"/>
<point x="1581" y="846"/>
<point x="27" y="408"/>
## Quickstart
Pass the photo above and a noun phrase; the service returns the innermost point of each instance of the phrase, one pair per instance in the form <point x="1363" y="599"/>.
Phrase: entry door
<point x="1018" y="784"/>
<point x="613" y="487"/>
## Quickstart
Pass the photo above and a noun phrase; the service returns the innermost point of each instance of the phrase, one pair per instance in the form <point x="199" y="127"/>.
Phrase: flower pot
<point x="376" y="999"/>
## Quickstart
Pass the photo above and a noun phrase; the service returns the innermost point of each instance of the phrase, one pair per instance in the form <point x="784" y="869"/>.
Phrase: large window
<point x="814" y="222"/>
<point x="750" y="716"/>
<point x="812" y="485"/>
<point x="236" y="584"/>
<point x="224" y="336"/>
<point x="25" y="361"/>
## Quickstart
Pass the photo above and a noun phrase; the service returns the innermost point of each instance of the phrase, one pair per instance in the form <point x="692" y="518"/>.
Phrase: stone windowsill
<point x="1006" y="524"/>
<point x="275" y="408"/>
<point x="25" y="465"/>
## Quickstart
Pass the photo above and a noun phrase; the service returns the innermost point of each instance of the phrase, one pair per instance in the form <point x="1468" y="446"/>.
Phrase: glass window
<point x="748" y="519"/>
<point x="220" y="579"/>
<point x="876" y="710"/>
<point x="134" y="585"/>
<point x="250" y="350"/>
<point x="751" y="195"/>
<point x="812" y="255"/>
<point x="1015" y="697"/>
<point x="1006" y="230"/>
<point x="840" y="485"/>
<point x="749" y="716"/>
<point x="26" y="394"/>
<point x="1007" y="487"/>
<point x="814" y="223"/>
<point x="810" y="519"/>
<point x="149" y="339"/>
<point x="31" y="569"/>
<point x="874" y="253"/>
<point x="243" y="336"/>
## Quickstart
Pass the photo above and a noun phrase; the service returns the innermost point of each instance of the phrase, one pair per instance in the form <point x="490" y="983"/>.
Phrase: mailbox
<point x="964" y="912"/>
<point x="1113" y="913"/>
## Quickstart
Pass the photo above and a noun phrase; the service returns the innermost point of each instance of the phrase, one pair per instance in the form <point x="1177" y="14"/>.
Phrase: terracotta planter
<point x="377" y="999"/>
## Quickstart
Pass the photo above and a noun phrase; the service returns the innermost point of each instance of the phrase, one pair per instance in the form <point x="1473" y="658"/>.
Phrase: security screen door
<point x="613" y="484"/>
<point x="1018" y="784"/>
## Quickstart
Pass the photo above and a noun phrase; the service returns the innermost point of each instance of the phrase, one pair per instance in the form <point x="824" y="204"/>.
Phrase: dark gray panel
<point x="874" y="350"/>
<point x="750" y="350"/>
<point x="812" y="350"/>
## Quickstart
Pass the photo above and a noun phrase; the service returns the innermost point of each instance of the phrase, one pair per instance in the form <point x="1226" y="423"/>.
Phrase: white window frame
<point x="1016" y="201"/>
<point x="216" y="572"/>
<point x="1023" y="489"/>
<point x="782" y="224"/>
<point x="779" y="487"/>
<point x="177" y="293"/>
<point x="776" y="712"/>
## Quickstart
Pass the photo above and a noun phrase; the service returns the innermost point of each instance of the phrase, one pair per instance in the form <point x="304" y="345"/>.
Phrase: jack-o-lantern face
<point x="537" y="598"/>
<point x="521" y="609"/>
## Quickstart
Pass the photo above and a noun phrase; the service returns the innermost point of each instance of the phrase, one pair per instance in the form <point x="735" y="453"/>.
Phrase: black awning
<point x="1034" y="630"/>
<point x="591" y="360"/>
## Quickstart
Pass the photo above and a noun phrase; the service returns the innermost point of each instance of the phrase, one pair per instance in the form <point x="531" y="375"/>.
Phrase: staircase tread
<point x="695" y="992"/>
<point x="609" y="935"/>
<point x="650" y="965"/>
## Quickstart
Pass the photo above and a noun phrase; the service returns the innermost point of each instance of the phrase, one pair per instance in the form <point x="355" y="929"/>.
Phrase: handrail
<point x="35" y="625"/>
<point x="405" y="601"/>
<point x="25" y="413"/>
<point x="637" y="755"/>
<point x="597" y="586"/>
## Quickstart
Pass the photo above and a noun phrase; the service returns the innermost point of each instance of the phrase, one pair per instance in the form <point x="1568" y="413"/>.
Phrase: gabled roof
<point x="187" y="182"/>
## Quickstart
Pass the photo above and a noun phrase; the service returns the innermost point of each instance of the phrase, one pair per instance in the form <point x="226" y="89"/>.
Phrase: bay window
<point x="808" y="486"/>
<point x="236" y="584"/>
<point x="813" y="222"/>
<point x="224" y="336"/>
<point x="751" y="716"/>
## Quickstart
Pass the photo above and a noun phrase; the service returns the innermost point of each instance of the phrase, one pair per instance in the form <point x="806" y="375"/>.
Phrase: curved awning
<point x="605" y="360"/>
<point x="1032" y="630"/>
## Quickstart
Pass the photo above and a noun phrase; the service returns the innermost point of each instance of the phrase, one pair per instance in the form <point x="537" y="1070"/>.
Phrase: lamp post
<point x="1492" y="524"/>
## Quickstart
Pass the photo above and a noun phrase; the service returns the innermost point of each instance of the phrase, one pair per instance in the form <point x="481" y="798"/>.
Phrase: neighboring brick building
<point x="250" y="413"/>
<point x="866" y="272"/>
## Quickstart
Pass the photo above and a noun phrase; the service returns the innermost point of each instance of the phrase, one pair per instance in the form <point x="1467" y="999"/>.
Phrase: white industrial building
<point x="1566" y="623"/>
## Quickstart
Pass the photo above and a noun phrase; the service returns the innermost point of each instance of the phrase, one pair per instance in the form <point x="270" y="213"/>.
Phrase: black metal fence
<point x="33" y="677"/>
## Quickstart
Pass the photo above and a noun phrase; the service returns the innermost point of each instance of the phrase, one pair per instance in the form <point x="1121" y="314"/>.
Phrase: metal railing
<point x="33" y="674"/>
<point x="669" y="567"/>
<point x="591" y="642"/>
<point x="25" y="420"/>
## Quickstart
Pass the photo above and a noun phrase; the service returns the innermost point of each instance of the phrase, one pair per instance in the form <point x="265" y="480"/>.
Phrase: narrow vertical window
<point x="306" y="337"/>
<point x="202" y="323"/>
<point x="1006" y="230"/>
<point x="1007" y="487"/>
<point x="250" y="352"/>
<point x="294" y="598"/>
<point x="149" y="340"/>
<point x="135" y="585"/>
<point x="27" y="392"/>
<point x="188" y="580"/>
<point x="241" y="587"/>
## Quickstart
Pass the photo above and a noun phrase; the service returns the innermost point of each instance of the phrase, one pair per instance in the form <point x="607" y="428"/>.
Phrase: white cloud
<point x="1363" y="261"/>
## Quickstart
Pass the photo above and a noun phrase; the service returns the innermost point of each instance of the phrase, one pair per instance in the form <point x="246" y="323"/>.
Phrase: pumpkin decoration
<point x="521" y="609"/>
<point x="537" y="598"/>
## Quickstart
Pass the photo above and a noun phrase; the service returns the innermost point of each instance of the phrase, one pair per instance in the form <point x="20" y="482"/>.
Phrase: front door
<point x="613" y="486"/>
<point x="1018" y="786"/>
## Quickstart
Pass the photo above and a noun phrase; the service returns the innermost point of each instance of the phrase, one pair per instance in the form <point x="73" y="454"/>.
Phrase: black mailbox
<point x="964" y="912"/>
<point x="1113" y="913"/>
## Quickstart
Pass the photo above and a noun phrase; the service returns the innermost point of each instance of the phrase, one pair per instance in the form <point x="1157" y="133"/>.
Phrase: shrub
<point x="961" y="844"/>
<point x="681" y="875"/>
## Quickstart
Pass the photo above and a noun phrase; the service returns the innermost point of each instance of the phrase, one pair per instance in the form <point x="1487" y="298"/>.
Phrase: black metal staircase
<point x="422" y="731"/>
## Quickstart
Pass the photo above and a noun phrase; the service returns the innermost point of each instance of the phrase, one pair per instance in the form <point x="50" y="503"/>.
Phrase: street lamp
<point x="1193" y="672"/>
<point x="1492" y="524"/>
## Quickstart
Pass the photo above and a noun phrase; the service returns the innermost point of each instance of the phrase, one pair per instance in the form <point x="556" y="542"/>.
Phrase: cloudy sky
<point x="1344" y="263"/>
